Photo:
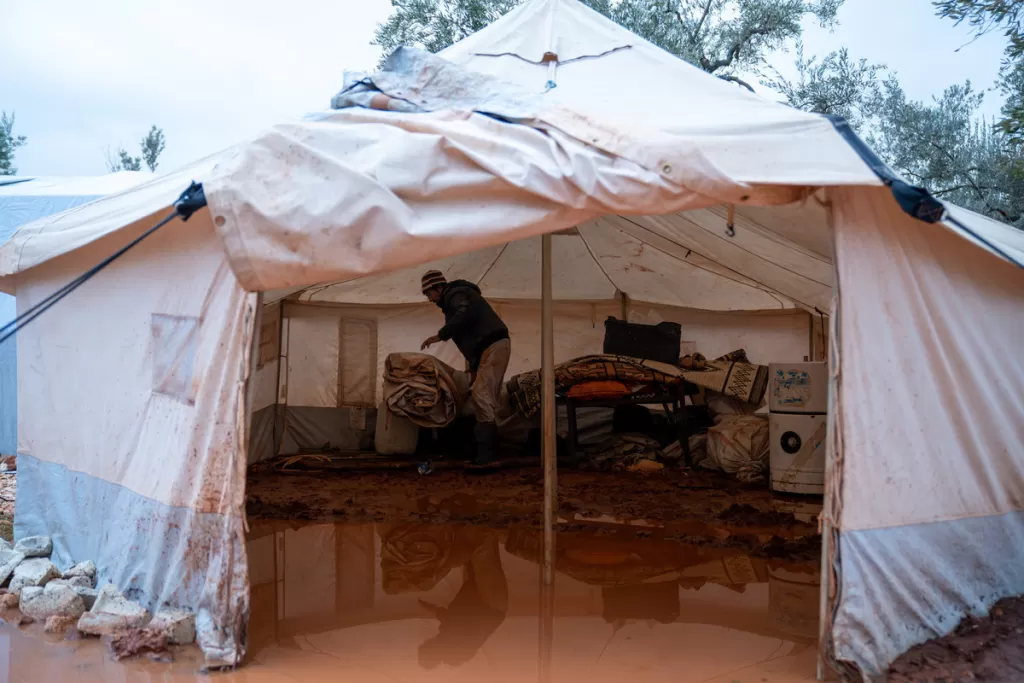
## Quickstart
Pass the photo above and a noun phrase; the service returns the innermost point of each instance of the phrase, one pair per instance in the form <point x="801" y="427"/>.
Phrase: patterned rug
<point x="742" y="380"/>
<point x="731" y="374"/>
<point x="524" y="389"/>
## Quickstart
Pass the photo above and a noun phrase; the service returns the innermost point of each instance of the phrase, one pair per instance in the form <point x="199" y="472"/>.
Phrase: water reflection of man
<point x="416" y="557"/>
<point x="650" y="602"/>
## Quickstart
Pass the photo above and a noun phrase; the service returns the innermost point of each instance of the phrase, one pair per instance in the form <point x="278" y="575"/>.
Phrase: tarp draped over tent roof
<point x="651" y="259"/>
<point x="277" y="239"/>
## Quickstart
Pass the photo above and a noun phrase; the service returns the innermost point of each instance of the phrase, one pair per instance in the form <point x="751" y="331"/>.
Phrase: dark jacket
<point x="469" y="320"/>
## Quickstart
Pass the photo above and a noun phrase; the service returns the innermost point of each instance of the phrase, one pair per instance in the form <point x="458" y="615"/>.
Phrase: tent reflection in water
<point x="135" y="397"/>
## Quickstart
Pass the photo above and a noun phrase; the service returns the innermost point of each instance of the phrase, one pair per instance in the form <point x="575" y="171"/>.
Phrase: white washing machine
<point x="797" y="453"/>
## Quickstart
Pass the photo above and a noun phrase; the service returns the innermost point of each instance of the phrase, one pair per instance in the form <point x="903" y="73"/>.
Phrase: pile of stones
<point x="63" y="599"/>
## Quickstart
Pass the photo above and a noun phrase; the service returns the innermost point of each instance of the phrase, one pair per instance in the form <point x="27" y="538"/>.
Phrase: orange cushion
<point x="595" y="390"/>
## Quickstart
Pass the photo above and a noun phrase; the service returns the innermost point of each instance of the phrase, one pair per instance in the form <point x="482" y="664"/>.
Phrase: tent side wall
<point x="930" y="427"/>
<point x="319" y="382"/>
<point x="16" y="210"/>
<point x="132" y="423"/>
<point x="8" y="382"/>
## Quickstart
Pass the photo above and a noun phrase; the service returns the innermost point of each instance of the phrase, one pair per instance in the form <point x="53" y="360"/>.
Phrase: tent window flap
<point x="175" y="339"/>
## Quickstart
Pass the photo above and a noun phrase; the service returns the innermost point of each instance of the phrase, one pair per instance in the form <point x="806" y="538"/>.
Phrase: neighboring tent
<point x="22" y="200"/>
<point x="136" y="416"/>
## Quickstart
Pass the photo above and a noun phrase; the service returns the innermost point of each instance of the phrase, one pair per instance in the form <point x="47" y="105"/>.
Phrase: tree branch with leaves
<point x="834" y="85"/>
<point x="9" y="144"/>
<point x="151" y="147"/>
<point x="986" y="16"/>
<point x="940" y="145"/>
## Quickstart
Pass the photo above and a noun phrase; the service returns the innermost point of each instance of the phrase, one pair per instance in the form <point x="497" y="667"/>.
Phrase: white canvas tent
<point x="24" y="199"/>
<point x="552" y="118"/>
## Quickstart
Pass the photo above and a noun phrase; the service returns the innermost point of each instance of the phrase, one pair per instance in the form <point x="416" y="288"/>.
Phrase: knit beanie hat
<point x="431" y="279"/>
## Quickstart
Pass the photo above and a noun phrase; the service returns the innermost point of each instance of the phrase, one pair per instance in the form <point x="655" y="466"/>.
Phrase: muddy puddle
<point x="410" y="601"/>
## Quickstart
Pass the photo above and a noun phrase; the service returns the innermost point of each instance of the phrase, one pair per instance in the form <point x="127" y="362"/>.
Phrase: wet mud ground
<point x="706" y="502"/>
<point x="988" y="649"/>
<point x="394" y="576"/>
<point x="669" y="576"/>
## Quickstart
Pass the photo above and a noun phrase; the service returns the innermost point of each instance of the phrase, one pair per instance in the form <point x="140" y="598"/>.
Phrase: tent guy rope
<point x="190" y="201"/>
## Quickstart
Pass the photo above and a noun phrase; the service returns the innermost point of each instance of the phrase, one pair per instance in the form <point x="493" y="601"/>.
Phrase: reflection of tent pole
<point x="547" y="632"/>
<point x="549" y="443"/>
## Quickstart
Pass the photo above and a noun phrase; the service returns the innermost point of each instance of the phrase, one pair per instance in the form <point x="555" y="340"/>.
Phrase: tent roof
<point x="75" y="186"/>
<point x="433" y="178"/>
<point x="25" y="199"/>
<point x="602" y="69"/>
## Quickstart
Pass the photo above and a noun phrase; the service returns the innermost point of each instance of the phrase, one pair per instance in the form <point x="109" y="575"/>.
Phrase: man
<point x="477" y="610"/>
<point x="483" y="339"/>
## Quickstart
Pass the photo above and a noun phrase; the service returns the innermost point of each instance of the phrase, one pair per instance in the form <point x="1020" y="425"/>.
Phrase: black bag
<point x="647" y="342"/>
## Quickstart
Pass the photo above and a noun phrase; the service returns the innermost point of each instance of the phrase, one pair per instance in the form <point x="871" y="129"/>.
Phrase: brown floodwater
<point x="442" y="602"/>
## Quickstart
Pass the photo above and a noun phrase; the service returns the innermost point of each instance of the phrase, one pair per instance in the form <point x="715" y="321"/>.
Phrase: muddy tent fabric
<point x="152" y="373"/>
<point x="144" y="471"/>
<point x="928" y="407"/>
<point x="23" y="200"/>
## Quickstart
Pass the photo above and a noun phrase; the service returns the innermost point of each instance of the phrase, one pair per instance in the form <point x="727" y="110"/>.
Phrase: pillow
<point x="591" y="391"/>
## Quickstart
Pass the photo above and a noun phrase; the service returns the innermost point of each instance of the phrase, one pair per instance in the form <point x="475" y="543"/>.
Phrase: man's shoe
<point x="486" y="444"/>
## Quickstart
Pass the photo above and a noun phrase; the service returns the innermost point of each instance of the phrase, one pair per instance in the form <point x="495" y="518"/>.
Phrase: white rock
<point x="8" y="561"/>
<point x="111" y="613"/>
<point x="110" y="591"/>
<point x="35" y="546"/>
<point x="5" y="544"/>
<point x="80" y="581"/>
<point x="35" y="572"/>
<point x="30" y="592"/>
<point x="55" y="601"/>
<point x="111" y="601"/>
<point x="92" y="624"/>
<point x="178" y="624"/>
<point x="87" y="593"/>
<point x="100" y="624"/>
<point x="87" y="569"/>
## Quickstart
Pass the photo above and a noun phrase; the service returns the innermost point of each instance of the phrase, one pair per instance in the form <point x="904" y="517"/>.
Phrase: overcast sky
<point x="82" y="76"/>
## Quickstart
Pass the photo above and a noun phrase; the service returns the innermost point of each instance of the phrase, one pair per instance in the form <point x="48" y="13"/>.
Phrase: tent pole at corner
<point x="548" y="413"/>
